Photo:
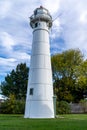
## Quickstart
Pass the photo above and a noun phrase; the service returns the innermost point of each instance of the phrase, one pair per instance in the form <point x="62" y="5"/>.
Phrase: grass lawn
<point x="63" y="122"/>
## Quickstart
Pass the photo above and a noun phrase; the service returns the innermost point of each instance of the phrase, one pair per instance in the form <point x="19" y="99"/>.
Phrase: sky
<point x="69" y="30"/>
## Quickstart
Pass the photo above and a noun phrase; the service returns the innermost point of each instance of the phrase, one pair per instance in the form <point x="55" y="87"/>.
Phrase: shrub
<point x="12" y="106"/>
<point x="63" y="107"/>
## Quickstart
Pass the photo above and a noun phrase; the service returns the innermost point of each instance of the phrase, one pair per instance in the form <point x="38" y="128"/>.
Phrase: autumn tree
<point x="65" y="66"/>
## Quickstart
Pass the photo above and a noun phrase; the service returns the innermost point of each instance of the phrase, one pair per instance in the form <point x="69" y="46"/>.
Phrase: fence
<point x="78" y="107"/>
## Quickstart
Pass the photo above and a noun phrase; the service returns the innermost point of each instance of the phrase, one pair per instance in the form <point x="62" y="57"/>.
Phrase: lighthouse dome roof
<point x="41" y="14"/>
<point x="41" y="10"/>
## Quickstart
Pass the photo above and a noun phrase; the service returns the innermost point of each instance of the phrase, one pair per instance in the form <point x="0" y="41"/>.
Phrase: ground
<point x="63" y="122"/>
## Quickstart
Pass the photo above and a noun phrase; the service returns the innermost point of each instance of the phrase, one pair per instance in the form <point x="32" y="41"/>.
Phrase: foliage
<point x="12" y="106"/>
<point x="63" y="107"/>
<point x="16" y="82"/>
<point x="64" y="64"/>
<point x="69" y="75"/>
<point x="84" y="105"/>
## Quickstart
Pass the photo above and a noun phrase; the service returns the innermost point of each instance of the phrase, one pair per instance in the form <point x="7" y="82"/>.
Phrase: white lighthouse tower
<point x="39" y="100"/>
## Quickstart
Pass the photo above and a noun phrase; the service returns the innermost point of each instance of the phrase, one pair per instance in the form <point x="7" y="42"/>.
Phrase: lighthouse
<point x="39" y="99"/>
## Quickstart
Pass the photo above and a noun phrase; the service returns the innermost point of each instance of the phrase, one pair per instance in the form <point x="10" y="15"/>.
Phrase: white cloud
<point x="7" y="41"/>
<point x="16" y="35"/>
<point x="51" y="5"/>
<point x="74" y="23"/>
<point x="6" y="61"/>
<point x="6" y="65"/>
<point x="83" y="17"/>
<point x="5" y="6"/>
<point x="21" y="57"/>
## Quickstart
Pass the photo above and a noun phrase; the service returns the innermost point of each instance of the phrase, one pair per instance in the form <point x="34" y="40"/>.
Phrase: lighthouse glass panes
<point x="39" y="100"/>
<point x="36" y="24"/>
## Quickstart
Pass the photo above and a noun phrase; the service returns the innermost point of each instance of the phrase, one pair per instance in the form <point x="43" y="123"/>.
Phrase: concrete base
<point x="39" y="109"/>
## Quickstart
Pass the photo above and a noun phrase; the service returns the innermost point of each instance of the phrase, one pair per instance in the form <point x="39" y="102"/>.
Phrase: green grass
<point x="63" y="122"/>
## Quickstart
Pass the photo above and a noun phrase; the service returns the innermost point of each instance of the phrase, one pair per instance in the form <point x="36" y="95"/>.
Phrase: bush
<point x="63" y="107"/>
<point x="12" y="106"/>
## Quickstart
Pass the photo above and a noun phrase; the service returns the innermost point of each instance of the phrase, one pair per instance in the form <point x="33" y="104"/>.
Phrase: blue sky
<point x="69" y="30"/>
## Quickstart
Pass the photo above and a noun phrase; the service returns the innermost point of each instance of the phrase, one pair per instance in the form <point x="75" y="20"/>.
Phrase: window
<point x="36" y="24"/>
<point x="35" y="12"/>
<point x="31" y="91"/>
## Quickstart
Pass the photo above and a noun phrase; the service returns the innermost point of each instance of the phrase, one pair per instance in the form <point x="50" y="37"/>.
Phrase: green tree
<point x="81" y="82"/>
<point x="65" y="66"/>
<point x="16" y="82"/>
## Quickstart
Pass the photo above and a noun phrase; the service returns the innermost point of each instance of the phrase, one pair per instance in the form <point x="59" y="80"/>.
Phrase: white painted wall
<point x="40" y="104"/>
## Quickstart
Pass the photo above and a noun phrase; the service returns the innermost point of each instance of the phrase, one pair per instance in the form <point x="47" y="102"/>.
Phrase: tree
<point x="16" y="82"/>
<point x="81" y="82"/>
<point x="65" y="66"/>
